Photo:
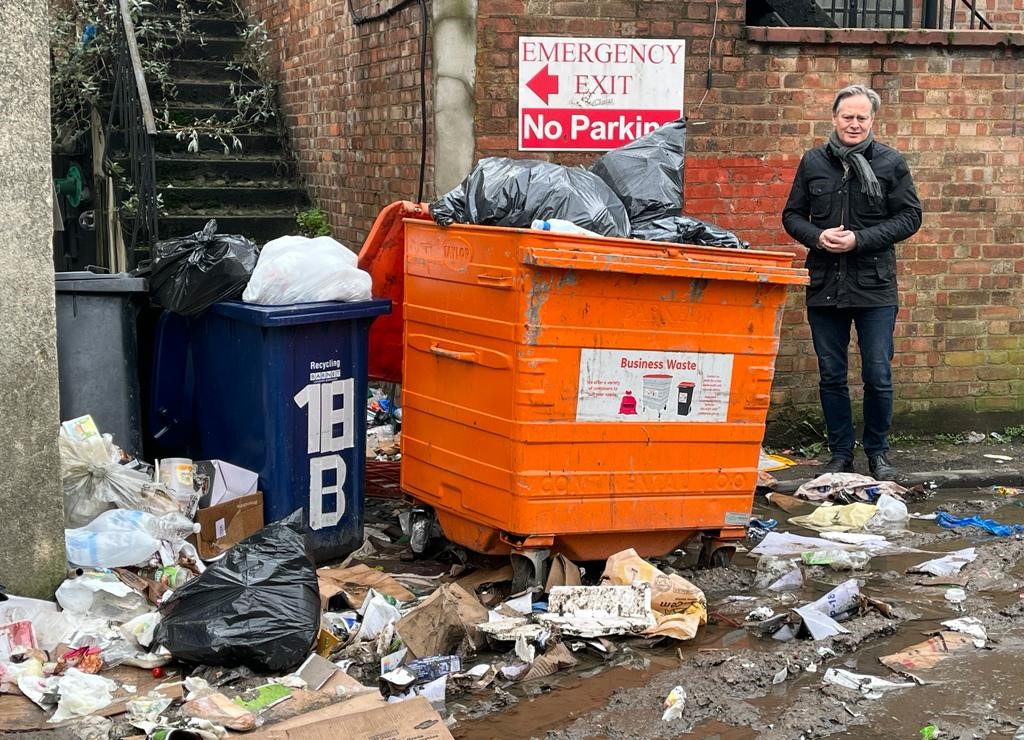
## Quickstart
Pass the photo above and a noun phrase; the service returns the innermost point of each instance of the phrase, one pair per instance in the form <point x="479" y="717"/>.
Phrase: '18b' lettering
<point x="329" y="428"/>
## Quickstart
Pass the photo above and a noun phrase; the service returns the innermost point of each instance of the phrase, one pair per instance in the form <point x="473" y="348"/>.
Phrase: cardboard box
<point x="227" y="482"/>
<point x="413" y="719"/>
<point x="227" y="524"/>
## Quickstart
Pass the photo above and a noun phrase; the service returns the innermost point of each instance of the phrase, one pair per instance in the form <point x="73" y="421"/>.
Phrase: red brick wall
<point x="350" y="99"/>
<point x="956" y="111"/>
<point x="950" y="110"/>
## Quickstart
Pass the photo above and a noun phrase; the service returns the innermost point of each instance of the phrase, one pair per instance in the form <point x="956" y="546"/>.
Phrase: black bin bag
<point x="647" y="174"/>
<point x="513" y="192"/>
<point x="191" y="273"/>
<point x="257" y="606"/>
<point x="687" y="230"/>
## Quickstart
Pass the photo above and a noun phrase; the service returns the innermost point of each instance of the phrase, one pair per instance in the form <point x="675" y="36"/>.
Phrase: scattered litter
<point x="929" y="732"/>
<point x="597" y="611"/>
<point x="956" y="596"/>
<point x="992" y="527"/>
<point x="998" y="458"/>
<point x="846" y="488"/>
<point x="970" y="626"/>
<point x="1007" y="491"/>
<point x="679" y="607"/>
<point x="871" y="686"/>
<point x="675" y="703"/>
<point x="947" y="565"/>
<point x="781" y="676"/>
<point x="837" y="518"/>
<point x="837" y="559"/>
<point x="927" y="654"/>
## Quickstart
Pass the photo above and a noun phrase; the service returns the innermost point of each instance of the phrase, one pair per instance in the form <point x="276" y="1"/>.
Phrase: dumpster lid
<point x="83" y="281"/>
<point x="300" y="313"/>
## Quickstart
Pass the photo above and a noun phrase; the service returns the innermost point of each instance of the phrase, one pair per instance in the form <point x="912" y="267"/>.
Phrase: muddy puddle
<point x="728" y="671"/>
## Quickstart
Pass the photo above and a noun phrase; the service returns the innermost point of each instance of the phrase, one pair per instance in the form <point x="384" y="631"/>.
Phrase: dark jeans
<point x="830" y="330"/>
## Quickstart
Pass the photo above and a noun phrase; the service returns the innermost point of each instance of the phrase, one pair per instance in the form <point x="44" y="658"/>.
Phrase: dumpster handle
<point x="454" y="354"/>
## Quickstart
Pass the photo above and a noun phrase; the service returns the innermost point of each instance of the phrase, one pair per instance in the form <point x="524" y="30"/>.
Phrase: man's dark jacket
<point x="822" y="197"/>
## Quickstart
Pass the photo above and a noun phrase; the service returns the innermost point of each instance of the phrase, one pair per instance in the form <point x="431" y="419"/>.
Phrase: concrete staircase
<point x="253" y="191"/>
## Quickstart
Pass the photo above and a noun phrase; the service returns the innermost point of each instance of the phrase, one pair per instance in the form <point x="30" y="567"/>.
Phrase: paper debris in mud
<point x="789" y="504"/>
<point x="446" y="622"/>
<point x="781" y="676"/>
<point x="871" y="686"/>
<point x="783" y="543"/>
<point x="820" y="625"/>
<point x="596" y="611"/>
<point x="946" y="566"/>
<point x="353" y="583"/>
<point x="556" y="658"/>
<point x="221" y="710"/>
<point x="836" y="518"/>
<point x="562" y="572"/>
<point x="927" y="654"/>
<point x="511" y="629"/>
<point x="675" y="703"/>
<point x="970" y="626"/>
<point x="670" y="594"/>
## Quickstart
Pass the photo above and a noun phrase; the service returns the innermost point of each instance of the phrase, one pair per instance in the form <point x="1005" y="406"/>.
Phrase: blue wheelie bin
<point x="281" y="390"/>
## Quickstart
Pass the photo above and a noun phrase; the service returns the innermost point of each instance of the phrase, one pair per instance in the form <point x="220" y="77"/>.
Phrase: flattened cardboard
<point x="353" y="583"/>
<point x="413" y="719"/>
<point x="925" y="655"/>
<point x="227" y="524"/>
<point x="444" y="623"/>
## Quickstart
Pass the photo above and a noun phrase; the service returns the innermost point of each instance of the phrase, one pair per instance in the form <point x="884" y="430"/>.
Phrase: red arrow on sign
<point x="543" y="84"/>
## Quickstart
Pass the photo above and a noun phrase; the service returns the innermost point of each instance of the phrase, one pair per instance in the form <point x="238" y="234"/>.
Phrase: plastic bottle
<point x="122" y="537"/>
<point x="560" y="225"/>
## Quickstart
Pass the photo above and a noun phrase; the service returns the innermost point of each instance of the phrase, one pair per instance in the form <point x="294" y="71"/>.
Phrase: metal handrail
<point x="133" y="113"/>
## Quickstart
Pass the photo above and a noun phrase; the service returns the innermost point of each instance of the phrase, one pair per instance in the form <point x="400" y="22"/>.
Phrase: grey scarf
<point x="853" y="156"/>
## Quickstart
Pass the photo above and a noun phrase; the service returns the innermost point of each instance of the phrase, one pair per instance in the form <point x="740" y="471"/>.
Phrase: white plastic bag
<point x="94" y="481"/>
<point x="295" y="269"/>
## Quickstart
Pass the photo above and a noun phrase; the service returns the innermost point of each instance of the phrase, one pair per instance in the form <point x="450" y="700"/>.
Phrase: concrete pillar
<point x="32" y="558"/>
<point x="454" y="67"/>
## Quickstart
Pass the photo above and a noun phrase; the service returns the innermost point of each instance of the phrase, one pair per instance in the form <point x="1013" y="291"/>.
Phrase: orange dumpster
<point x="583" y="395"/>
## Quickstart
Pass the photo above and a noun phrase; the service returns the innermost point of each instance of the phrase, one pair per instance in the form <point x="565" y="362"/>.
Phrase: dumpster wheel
<point x="715" y="554"/>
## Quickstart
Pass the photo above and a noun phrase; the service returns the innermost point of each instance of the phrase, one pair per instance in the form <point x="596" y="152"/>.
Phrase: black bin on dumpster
<point x="97" y="352"/>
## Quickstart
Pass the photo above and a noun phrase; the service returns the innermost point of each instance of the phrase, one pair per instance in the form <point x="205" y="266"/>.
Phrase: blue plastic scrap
<point x="989" y="525"/>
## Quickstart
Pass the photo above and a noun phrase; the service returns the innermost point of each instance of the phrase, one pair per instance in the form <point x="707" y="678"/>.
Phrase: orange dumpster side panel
<point x="383" y="256"/>
<point x="593" y="394"/>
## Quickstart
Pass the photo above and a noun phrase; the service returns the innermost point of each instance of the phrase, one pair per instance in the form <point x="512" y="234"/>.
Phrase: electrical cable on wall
<point x="711" y="48"/>
<point x="359" y="20"/>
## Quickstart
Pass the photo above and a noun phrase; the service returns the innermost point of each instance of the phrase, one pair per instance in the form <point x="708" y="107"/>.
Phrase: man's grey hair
<point x="851" y="91"/>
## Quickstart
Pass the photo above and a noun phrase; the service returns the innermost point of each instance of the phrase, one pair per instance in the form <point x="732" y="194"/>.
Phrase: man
<point x="852" y="200"/>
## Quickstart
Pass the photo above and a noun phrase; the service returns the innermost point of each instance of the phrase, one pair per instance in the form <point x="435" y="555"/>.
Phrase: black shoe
<point x="838" y="465"/>
<point x="881" y="469"/>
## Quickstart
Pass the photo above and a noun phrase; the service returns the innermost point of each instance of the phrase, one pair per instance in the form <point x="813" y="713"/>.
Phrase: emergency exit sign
<point x="589" y="94"/>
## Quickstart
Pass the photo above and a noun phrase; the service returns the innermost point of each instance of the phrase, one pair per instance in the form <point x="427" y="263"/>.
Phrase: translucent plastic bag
<point x="94" y="481"/>
<point x="191" y="273"/>
<point x="121" y="538"/>
<point x="295" y="269"/>
<point x="515" y="192"/>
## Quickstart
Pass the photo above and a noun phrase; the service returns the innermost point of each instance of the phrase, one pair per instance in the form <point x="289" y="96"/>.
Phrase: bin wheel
<point x="529" y="570"/>
<point x="715" y="556"/>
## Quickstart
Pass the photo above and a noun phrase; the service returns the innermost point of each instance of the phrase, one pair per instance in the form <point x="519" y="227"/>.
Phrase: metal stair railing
<point x="131" y="113"/>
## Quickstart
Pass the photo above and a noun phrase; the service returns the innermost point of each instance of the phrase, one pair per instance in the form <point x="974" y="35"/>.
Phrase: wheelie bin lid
<point x="300" y="313"/>
<point x="84" y="281"/>
<point x="383" y="256"/>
